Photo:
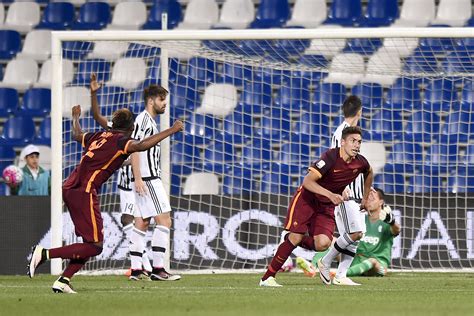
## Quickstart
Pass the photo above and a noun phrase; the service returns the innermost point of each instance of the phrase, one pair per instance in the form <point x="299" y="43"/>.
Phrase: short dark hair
<point x="153" y="91"/>
<point x="123" y="119"/>
<point x="380" y="193"/>
<point x="351" y="130"/>
<point x="351" y="106"/>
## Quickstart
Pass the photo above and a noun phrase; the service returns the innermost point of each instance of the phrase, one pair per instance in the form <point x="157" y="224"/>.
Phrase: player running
<point x="105" y="152"/>
<point x="312" y="208"/>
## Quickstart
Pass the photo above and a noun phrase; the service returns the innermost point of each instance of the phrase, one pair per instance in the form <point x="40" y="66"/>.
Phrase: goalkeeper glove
<point x="389" y="219"/>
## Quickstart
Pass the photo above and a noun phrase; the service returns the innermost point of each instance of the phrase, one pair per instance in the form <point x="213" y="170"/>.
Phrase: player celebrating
<point x="127" y="196"/>
<point x="349" y="218"/>
<point x="150" y="195"/>
<point x="312" y="208"/>
<point x="105" y="151"/>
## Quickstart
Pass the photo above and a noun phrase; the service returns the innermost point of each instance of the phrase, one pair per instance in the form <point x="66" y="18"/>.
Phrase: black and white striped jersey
<point x="146" y="126"/>
<point x="357" y="186"/>
<point x="125" y="178"/>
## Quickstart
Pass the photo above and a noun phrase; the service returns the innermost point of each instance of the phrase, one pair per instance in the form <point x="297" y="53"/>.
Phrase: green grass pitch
<point x="238" y="294"/>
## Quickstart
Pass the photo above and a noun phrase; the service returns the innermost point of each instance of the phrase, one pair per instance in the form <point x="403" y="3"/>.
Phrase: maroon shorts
<point x="306" y="214"/>
<point x="85" y="214"/>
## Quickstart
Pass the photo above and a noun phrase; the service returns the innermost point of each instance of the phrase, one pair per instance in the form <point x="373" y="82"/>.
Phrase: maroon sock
<point x="74" y="266"/>
<point x="75" y="251"/>
<point x="307" y="243"/>
<point x="283" y="252"/>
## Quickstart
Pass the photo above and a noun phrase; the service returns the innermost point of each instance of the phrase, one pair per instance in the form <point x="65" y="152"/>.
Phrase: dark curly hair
<point x="123" y="119"/>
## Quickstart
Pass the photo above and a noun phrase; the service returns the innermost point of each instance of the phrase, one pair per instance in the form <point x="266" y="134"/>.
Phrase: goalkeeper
<point x="374" y="253"/>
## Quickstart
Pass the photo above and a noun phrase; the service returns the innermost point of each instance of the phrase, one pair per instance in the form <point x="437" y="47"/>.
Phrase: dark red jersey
<point x="336" y="173"/>
<point x="104" y="153"/>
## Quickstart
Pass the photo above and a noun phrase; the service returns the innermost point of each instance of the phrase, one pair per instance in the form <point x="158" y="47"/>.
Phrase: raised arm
<point x="77" y="133"/>
<point x="95" y="86"/>
<point x="147" y="143"/>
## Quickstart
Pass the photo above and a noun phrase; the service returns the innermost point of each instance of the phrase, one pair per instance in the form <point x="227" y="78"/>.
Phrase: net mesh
<point x="257" y="112"/>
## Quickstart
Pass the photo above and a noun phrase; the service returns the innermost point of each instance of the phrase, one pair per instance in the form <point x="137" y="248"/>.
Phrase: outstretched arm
<point x="147" y="143"/>
<point x="77" y="133"/>
<point x="95" y="86"/>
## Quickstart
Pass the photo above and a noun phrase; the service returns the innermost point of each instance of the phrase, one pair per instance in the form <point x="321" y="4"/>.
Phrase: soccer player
<point x="127" y="196"/>
<point x="311" y="209"/>
<point x="374" y="252"/>
<point x="349" y="218"/>
<point x="105" y="152"/>
<point x="150" y="195"/>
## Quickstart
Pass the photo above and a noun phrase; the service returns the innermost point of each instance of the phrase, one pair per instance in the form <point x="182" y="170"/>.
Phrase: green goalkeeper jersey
<point x="377" y="242"/>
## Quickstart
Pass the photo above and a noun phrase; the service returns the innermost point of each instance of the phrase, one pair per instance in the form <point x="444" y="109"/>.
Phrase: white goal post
<point x="460" y="250"/>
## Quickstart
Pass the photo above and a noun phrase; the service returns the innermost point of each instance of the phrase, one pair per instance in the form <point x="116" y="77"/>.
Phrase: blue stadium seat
<point x="310" y="128"/>
<point x="237" y="181"/>
<point x="217" y="155"/>
<point x="441" y="158"/>
<point x="363" y="122"/>
<point x="422" y="127"/>
<point x="57" y="16"/>
<point x="424" y="184"/>
<point x="141" y="50"/>
<point x="386" y="126"/>
<point x="344" y="12"/>
<point x="276" y="183"/>
<point x="275" y="126"/>
<point x="380" y="13"/>
<point x="256" y="155"/>
<point x="237" y="128"/>
<point x="464" y="44"/>
<point x="44" y="133"/>
<point x="404" y="97"/>
<point x="440" y="95"/>
<point x="184" y="158"/>
<point x="202" y="70"/>
<point x="254" y="97"/>
<point x="292" y="47"/>
<point x="136" y="103"/>
<point x="457" y="128"/>
<point x="467" y="97"/>
<point x="198" y="130"/>
<point x="111" y="99"/>
<point x="18" y="131"/>
<point x="7" y="157"/>
<point x="271" y="14"/>
<point x="438" y="46"/>
<point x="174" y="67"/>
<point x="461" y="182"/>
<point x="469" y="156"/>
<point x="10" y="44"/>
<point x="405" y="157"/>
<point x="421" y="62"/>
<point x="312" y="61"/>
<point x="256" y="47"/>
<point x="371" y="95"/>
<point x="8" y="101"/>
<point x="236" y="74"/>
<point x="76" y="50"/>
<point x="93" y="16"/>
<point x="390" y="183"/>
<point x="329" y="97"/>
<point x="362" y="46"/>
<point x="183" y="99"/>
<point x="292" y="96"/>
<point x="271" y="76"/>
<point x="295" y="154"/>
<point x="100" y="67"/>
<point x="171" y="7"/>
<point x="36" y="102"/>
<point x="458" y="62"/>
<point x="231" y="46"/>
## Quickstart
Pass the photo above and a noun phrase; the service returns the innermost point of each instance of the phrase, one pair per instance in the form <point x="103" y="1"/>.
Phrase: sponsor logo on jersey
<point x="320" y="164"/>
<point x="371" y="240"/>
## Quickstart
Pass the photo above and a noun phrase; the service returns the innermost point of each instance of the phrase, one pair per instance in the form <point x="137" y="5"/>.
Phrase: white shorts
<point x="349" y="218"/>
<point x="127" y="202"/>
<point x="155" y="202"/>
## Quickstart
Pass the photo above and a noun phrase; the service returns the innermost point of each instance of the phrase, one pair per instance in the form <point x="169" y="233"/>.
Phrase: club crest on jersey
<point x="355" y="170"/>
<point x="295" y="223"/>
<point x="320" y="164"/>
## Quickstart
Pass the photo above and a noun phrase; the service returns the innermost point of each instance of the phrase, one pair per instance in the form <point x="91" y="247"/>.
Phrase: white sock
<point x="341" y="243"/>
<point x="159" y="243"/>
<point x="146" y="261"/>
<point x="137" y="246"/>
<point x="127" y="230"/>
<point x="346" y="261"/>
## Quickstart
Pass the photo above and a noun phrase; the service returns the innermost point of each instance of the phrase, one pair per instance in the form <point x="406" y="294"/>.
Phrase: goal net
<point x="258" y="107"/>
